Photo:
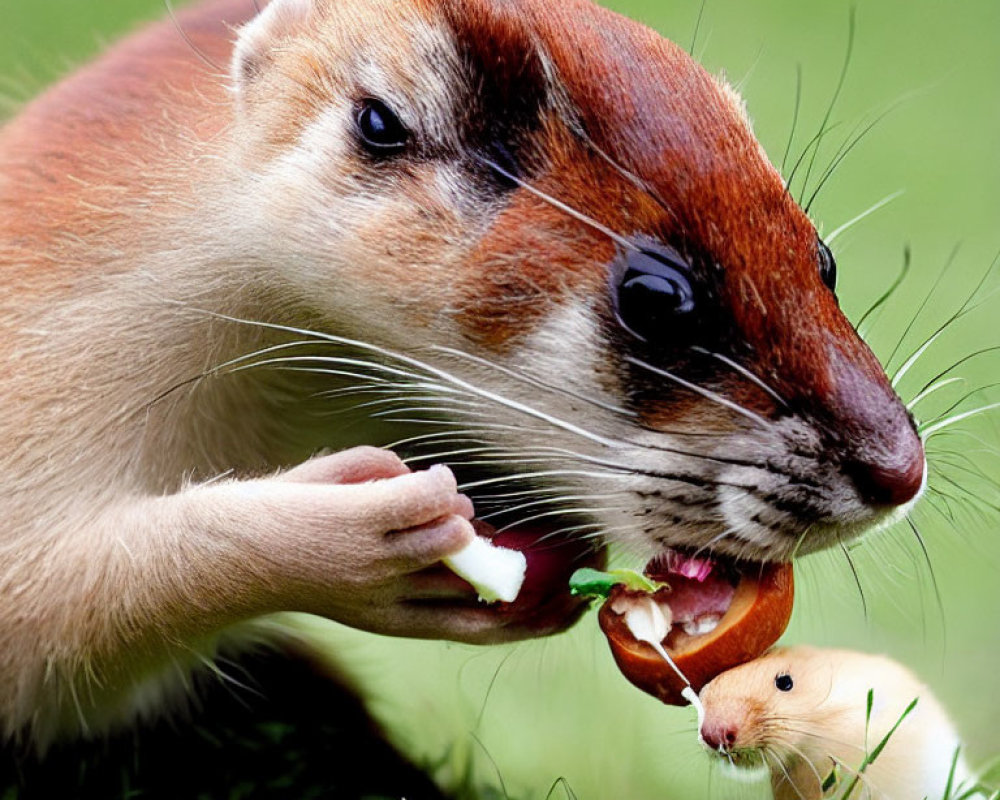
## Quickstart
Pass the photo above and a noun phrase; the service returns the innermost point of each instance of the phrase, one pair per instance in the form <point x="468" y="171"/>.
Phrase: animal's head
<point x="567" y="196"/>
<point x="775" y="707"/>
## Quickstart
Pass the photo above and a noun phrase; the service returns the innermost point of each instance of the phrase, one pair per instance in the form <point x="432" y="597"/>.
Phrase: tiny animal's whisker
<point x="787" y="724"/>
<point x="805" y="760"/>
<point x="956" y="433"/>
<point x="972" y="470"/>
<point x="777" y="761"/>
<point x="708" y="394"/>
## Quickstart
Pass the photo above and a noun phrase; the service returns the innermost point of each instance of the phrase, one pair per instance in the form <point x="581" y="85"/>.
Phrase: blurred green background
<point x="525" y="716"/>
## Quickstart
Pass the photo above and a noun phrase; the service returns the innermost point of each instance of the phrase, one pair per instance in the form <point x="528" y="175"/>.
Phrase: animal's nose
<point x="893" y="483"/>
<point x="883" y="453"/>
<point x="718" y="736"/>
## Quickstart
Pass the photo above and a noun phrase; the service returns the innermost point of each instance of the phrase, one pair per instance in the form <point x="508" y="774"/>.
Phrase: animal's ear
<point x="259" y="39"/>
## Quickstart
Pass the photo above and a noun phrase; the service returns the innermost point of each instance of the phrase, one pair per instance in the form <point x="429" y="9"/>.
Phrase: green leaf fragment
<point x="587" y="582"/>
<point x="832" y="780"/>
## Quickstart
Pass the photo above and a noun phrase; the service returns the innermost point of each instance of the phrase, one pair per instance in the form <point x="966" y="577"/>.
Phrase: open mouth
<point x="719" y="613"/>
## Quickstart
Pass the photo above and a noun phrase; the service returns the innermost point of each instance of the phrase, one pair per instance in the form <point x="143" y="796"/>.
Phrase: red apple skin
<point x="756" y="619"/>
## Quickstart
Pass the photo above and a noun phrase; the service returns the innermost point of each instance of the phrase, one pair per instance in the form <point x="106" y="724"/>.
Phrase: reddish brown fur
<point x="67" y="163"/>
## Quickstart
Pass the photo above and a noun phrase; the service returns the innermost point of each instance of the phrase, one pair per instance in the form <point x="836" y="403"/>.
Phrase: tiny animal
<point x="802" y="712"/>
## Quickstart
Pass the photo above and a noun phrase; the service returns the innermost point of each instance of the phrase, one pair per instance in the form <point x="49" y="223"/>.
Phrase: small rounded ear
<point x="258" y="38"/>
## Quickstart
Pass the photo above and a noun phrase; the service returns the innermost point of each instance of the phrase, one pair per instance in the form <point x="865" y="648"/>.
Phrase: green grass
<point x="536" y="712"/>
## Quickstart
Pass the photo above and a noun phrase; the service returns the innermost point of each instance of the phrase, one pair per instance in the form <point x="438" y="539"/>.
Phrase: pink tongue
<point x="691" y="599"/>
<point x="697" y="589"/>
<point x="687" y="566"/>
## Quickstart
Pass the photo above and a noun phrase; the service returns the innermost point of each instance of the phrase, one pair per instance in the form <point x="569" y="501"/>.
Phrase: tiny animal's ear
<point x="259" y="38"/>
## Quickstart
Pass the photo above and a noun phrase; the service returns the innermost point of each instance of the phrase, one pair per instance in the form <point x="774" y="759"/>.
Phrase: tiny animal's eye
<point x="783" y="682"/>
<point x="380" y="129"/>
<point x="656" y="299"/>
<point x="827" y="266"/>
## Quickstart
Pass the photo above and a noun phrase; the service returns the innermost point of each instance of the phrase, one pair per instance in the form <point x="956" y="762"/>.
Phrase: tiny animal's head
<point x="774" y="708"/>
<point x="633" y="304"/>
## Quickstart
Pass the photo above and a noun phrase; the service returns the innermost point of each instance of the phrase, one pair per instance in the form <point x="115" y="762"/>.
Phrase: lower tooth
<point x="702" y="625"/>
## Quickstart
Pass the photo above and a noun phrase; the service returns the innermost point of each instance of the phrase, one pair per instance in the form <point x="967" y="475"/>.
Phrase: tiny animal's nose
<point x="895" y="481"/>
<point x="718" y="736"/>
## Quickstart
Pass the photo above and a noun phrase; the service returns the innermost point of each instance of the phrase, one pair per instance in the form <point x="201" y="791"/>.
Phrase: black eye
<point x="656" y="299"/>
<point x="827" y="266"/>
<point x="783" y="682"/>
<point x="381" y="131"/>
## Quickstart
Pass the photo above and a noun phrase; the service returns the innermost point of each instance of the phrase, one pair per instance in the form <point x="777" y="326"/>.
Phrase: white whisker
<point x="706" y="393"/>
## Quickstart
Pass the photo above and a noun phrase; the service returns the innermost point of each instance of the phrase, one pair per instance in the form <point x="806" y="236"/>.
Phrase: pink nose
<point x="718" y="736"/>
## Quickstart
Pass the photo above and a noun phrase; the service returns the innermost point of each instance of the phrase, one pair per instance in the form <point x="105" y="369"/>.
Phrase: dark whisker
<point x="971" y="393"/>
<point x="857" y="578"/>
<point x="697" y="27"/>
<point x="930" y="568"/>
<point x="914" y="317"/>
<point x="814" y="142"/>
<point x="964" y="359"/>
<point x="836" y="94"/>
<point x="795" y="116"/>
<point x="964" y="309"/>
<point x="888" y="292"/>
